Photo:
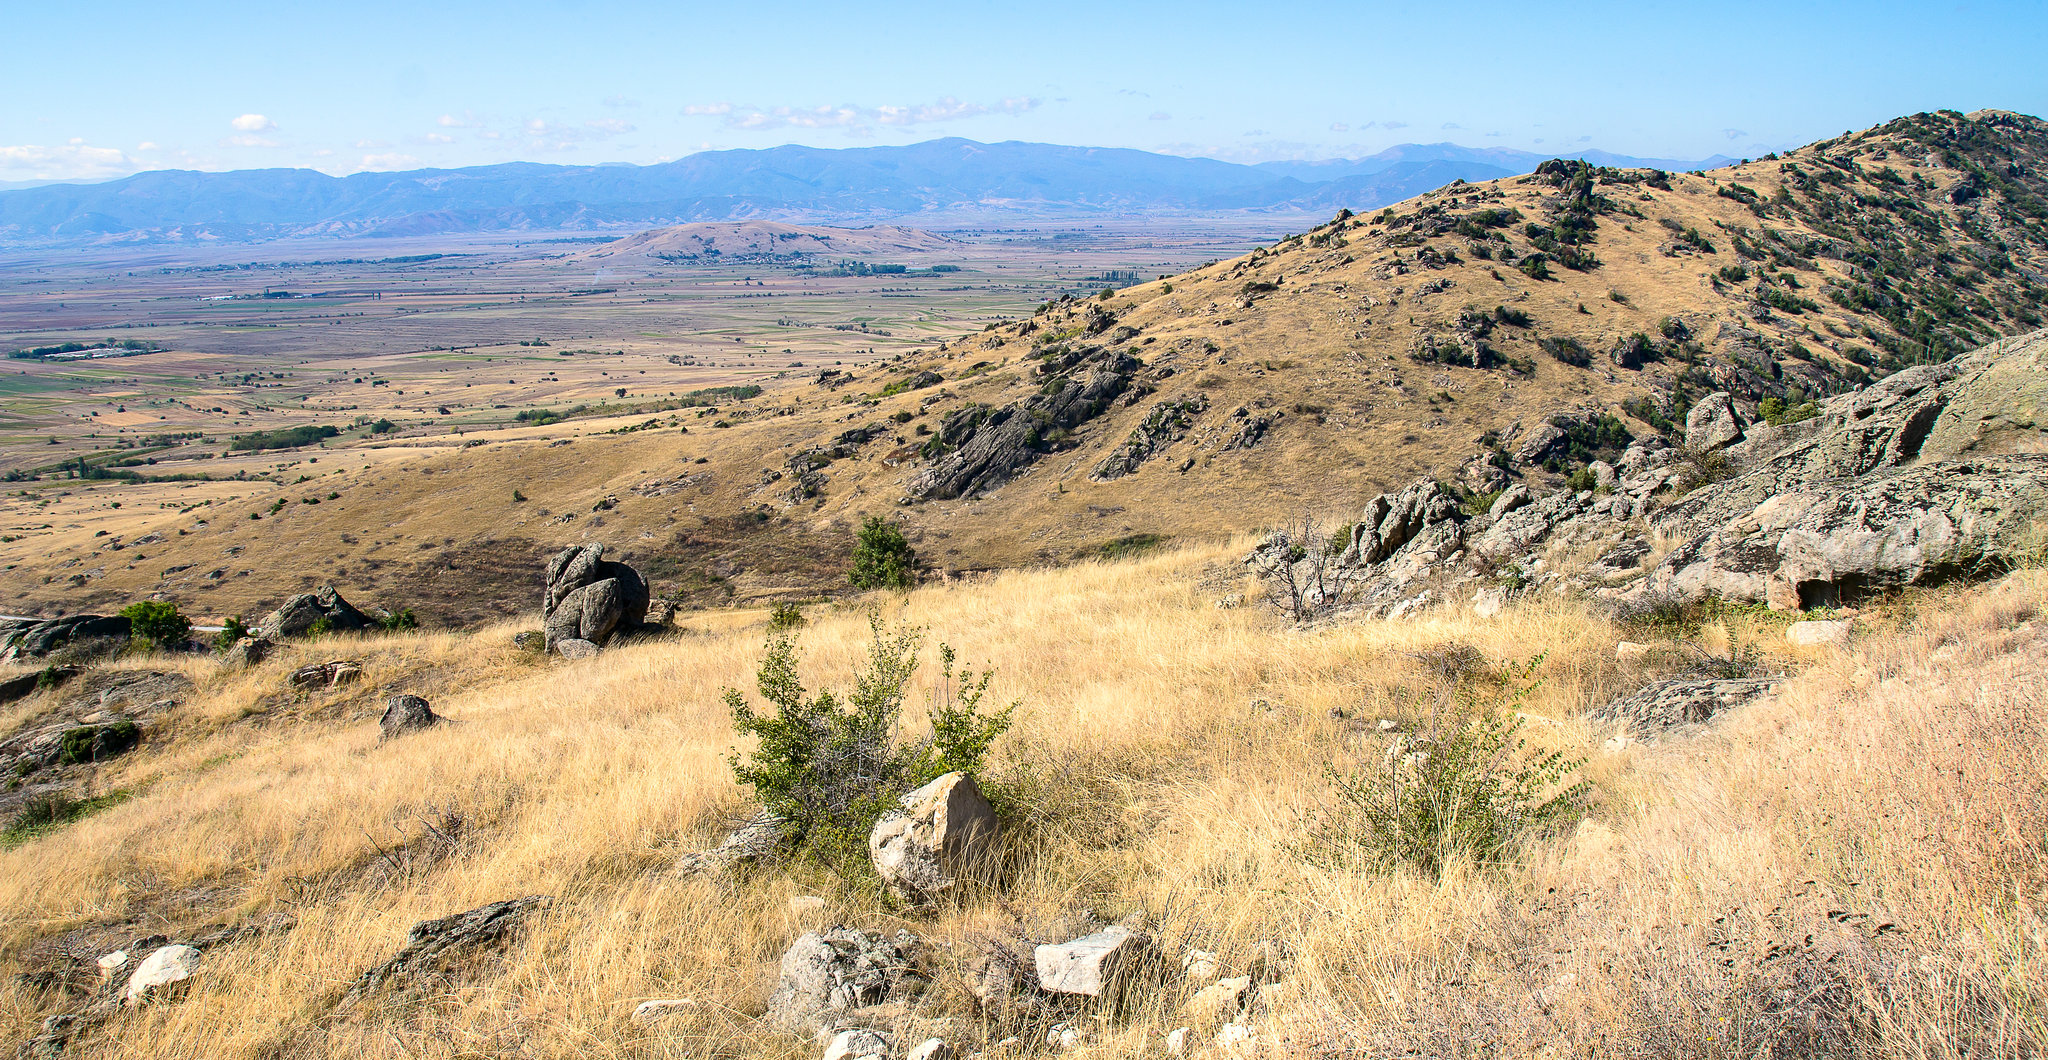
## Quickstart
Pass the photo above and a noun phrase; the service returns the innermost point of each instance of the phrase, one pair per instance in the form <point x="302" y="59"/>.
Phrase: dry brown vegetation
<point x="1853" y="867"/>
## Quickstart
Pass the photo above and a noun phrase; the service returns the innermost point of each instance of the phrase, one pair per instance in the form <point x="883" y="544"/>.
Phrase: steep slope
<point x="1516" y="328"/>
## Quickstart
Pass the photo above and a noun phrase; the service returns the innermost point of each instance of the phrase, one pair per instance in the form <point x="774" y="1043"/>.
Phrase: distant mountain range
<point x="939" y="180"/>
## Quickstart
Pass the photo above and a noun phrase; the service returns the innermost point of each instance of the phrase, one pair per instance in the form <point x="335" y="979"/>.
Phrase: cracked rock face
<point x="977" y="449"/>
<point x="828" y="975"/>
<point x="940" y="833"/>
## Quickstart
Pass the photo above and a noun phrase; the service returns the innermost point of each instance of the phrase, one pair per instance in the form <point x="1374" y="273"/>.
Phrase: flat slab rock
<point x="1092" y="965"/>
<point x="1670" y="704"/>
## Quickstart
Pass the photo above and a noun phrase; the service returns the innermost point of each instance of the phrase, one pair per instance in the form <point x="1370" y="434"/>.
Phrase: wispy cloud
<point x="65" y="162"/>
<point x="253" y="123"/>
<point x="857" y="119"/>
<point x="1449" y="125"/>
<point x="469" y="120"/>
<point x="437" y="138"/>
<point x="390" y="161"/>
<point x="1338" y="126"/>
<point x="609" y="126"/>
<point x="1734" y="134"/>
<point x="619" y="101"/>
<point x="1159" y="115"/>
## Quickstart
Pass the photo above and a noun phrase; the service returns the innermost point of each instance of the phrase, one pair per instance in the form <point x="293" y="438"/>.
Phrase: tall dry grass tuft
<point x="1851" y="868"/>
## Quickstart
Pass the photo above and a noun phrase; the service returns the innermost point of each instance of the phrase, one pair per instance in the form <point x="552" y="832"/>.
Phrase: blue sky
<point x="106" y="89"/>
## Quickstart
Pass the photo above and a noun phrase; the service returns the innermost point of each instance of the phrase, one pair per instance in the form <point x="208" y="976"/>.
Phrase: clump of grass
<point x="46" y="813"/>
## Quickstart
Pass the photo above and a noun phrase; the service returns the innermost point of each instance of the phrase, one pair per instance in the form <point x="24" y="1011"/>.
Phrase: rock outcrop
<point x="432" y="946"/>
<point x="1094" y="965"/>
<point x="978" y="448"/>
<point x="939" y="834"/>
<point x="165" y="966"/>
<point x="22" y="639"/>
<point x="300" y="614"/>
<point x="1934" y="473"/>
<point x="590" y="599"/>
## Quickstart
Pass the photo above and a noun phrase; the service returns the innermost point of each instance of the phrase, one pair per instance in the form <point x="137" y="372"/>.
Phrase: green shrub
<point x="45" y="813"/>
<point x="786" y="617"/>
<point x="1471" y="789"/>
<point x="1776" y="411"/>
<point x="831" y="764"/>
<point x="398" y="621"/>
<point x="232" y="630"/>
<point x="158" y="622"/>
<point x="882" y="558"/>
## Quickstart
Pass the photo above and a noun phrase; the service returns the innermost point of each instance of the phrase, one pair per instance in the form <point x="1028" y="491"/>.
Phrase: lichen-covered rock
<point x="30" y="638"/>
<point x="977" y="449"/>
<point x="1713" y="423"/>
<point x="828" y="974"/>
<point x="406" y="713"/>
<point x="1670" y="704"/>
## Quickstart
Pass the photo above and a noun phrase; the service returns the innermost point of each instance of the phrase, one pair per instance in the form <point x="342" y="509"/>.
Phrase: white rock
<point x="1630" y="651"/>
<point x="1237" y="1039"/>
<point x="164" y="966"/>
<point x="1063" y="1036"/>
<point x="1199" y="966"/>
<point x="1177" y="1042"/>
<point x="111" y="963"/>
<point x="1220" y="1001"/>
<point x="931" y="1049"/>
<point x="1818" y="633"/>
<point x="1092" y="964"/>
<point x="943" y="831"/>
<point x="651" y="1012"/>
<point x="1389" y="725"/>
<point x="805" y="903"/>
<point x="857" y="1045"/>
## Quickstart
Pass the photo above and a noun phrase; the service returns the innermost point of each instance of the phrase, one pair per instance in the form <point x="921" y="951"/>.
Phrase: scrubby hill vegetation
<point x="1851" y="867"/>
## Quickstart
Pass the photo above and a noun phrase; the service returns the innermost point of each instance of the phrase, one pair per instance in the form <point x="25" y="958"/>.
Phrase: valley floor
<point x="1855" y="865"/>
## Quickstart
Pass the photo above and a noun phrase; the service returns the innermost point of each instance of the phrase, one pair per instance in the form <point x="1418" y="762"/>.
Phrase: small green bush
<point x="1470" y="790"/>
<point x="232" y="630"/>
<point x="158" y="622"/>
<point x="399" y="621"/>
<point x="94" y="743"/>
<point x="786" y="616"/>
<point x="882" y="558"/>
<point x="43" y="814"/>
<point x="831" y="764"/>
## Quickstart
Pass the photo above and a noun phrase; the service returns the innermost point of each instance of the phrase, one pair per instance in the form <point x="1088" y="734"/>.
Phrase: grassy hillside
<point x="1850" y="868"/>
<point x="1374" y="349"/>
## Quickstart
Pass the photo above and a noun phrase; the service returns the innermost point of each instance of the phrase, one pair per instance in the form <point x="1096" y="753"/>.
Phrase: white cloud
<point x="1338" y="126"/>
<point x="1159" y="115"/>
<point x="146" y="145"/>
<point x="713" y="109"/>
<point x="609" y="126"/>
<point x="1452" y="125"/>
<point x="66" y="162"/>
<point x="438" y="138"/>
<point x="1734" y="134"/>
<point x="253" y="123"/>
<point x="619" y="101"/>
<point x="247" y="140"/>
<point x="371" y="145"/>
<point x="389" y="161"/>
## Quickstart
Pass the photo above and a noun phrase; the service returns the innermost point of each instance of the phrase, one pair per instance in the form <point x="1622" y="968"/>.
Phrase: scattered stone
<point x="1093" y="965"/>
<point x="590" y="598"/>
<point x="301" y="613"/>
<point x="532" y="640"/>
<point x="326" y="675"/>
<point x="940" y="833"/>
<point x="1199" y="966"/>
<point x="1813" y="634"/>
<point x="828" y="974"/>
<point x="930" y="1049"/>
<point x="112" y="963"/>
<point x="1064" y="1036"/>
<point x="648" y="1013"/>
<point x="1630" y="651"/>
<point x="406" y="713"/>
<point x="857" y="1045"/>
<point x="164" y="966"/>
<point x="434" y="944"/>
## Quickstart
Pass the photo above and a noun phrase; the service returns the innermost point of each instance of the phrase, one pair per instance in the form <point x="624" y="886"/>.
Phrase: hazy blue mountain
<point x="1506" y="158"/>
<point x="951" y="177"/>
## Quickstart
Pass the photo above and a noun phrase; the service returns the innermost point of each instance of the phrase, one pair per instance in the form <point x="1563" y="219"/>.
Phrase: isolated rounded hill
<point x="770" y="241"/>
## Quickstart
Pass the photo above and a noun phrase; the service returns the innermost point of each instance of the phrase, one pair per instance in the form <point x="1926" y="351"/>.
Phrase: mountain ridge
<point x="789" y="183"/>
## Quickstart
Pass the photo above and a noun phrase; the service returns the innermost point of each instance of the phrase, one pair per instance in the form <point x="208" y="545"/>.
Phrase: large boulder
<point x="828" y="975"/>
<point x="1670" y="704"/>
<point x="939" y="834"/>
<point x="589" y="598"/>
<point x="301" y="613"/>
<point x="1713" y="424"/>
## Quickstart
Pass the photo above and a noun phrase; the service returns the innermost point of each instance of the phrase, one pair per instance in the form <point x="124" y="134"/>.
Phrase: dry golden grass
<point x="1724" y="898"/>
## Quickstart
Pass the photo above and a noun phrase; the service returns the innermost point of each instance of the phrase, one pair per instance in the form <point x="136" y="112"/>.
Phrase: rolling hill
<point x="768" y="241"/>
<point x="1435" y="337"/>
